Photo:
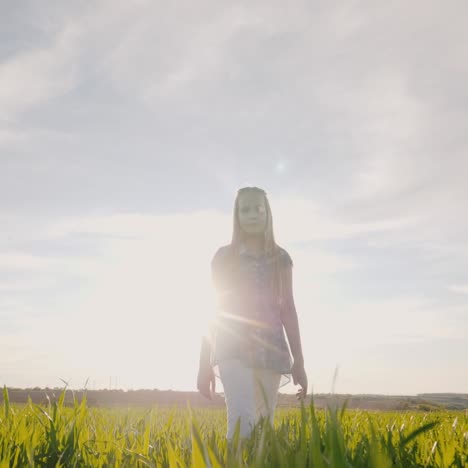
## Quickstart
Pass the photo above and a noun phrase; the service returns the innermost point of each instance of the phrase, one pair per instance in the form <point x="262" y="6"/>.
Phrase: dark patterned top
<point x="248" y="324"/>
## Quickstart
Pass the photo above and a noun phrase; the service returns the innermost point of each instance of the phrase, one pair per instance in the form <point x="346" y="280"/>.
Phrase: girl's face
<point x="252" y="212"/>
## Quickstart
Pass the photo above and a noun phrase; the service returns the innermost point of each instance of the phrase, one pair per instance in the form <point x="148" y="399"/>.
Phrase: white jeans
<point x="244" y="397"/>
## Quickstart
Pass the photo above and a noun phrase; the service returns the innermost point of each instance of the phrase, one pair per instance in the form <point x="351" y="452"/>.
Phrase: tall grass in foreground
<point x="55" y="435"/>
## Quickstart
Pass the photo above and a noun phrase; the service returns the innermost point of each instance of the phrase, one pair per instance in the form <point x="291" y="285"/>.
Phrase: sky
<point x="126" y="128"/>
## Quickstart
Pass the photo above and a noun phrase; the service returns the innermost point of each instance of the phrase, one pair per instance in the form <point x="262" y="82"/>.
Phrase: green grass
<point x="56" y="435"/>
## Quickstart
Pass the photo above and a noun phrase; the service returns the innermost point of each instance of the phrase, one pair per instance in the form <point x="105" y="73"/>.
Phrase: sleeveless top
<point x="248" y="323"/>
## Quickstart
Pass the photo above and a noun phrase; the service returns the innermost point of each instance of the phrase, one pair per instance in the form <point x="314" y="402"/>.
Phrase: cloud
<point x="19" y="139"/>
<point x="11" y="286"/>
<point x="296" y="220"/>
<point x="302" y="220"/>
<point x="69" y="54"/>
<point x="32" y="77"/>
<point x="14" y="261"/>
<point x="459" y="288"/>
<point x="118" y="119"/>
<point x="24" y="261"/>
<point x="353" y="129"/>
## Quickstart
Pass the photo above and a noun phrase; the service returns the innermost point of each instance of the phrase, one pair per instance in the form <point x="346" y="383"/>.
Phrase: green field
<point x="59" y="435"/>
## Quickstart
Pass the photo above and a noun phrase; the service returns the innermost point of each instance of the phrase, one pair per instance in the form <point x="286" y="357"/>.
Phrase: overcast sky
<point x="126" y="129"/>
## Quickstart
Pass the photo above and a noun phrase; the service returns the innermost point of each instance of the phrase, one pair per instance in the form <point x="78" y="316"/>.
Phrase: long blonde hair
<point x="270" y="248"/>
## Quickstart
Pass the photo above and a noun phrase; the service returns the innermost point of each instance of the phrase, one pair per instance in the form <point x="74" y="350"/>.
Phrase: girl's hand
<point x="299" y="378"/>
<point x="205" y="380"/>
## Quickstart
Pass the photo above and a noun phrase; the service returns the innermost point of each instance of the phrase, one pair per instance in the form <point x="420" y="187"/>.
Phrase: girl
<point x="253" y="279"/>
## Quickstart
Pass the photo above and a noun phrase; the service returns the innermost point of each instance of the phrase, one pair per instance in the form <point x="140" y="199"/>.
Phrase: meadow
<point x="79" y="435"/>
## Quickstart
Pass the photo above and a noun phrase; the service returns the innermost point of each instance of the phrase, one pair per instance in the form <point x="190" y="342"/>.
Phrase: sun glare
<point x="148" y="312"/>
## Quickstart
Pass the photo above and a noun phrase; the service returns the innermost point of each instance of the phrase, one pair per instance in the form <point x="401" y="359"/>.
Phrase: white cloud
<point x="32" y="77"/>
<point x="24" y="261"/>
<point x="13" y="138"/>
<point x="46" y="264"/>
<point x="76" y="46"/>
<point x="296" y="220"/>
<point x="302" y="220"/>
<point x="9" y="137"/>
<point x="11" y="286"/>
<point x="459" y="288"/>
<point x="342" y="109"/>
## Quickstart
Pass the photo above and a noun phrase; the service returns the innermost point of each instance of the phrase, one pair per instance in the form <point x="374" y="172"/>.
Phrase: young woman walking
<point x="247" y="346"/>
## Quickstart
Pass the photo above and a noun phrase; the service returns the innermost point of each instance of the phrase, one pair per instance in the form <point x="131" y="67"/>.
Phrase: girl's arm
<point x="205" y="353"/>
<point x="289" y="318"/>
<point x="206" y="380"/>
<point x="291" y="325"/>
<point x="205" y="350"/>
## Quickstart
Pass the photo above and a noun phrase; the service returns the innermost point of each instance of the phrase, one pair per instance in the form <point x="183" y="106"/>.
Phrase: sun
<point x="150" y="310"/>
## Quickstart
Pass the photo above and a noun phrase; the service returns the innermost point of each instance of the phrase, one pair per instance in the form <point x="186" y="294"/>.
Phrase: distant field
<point x="120" y="398"/>
<point x="57" y="435"/>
